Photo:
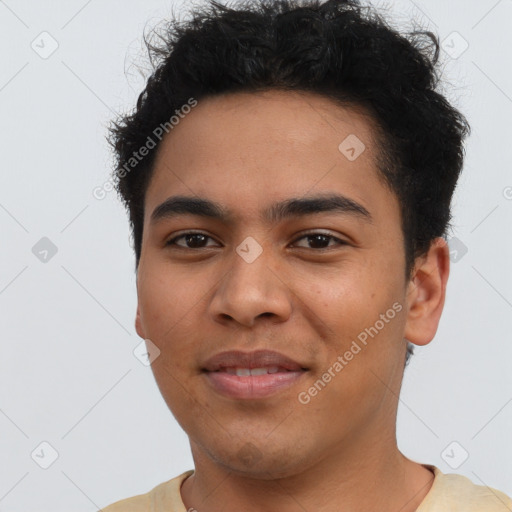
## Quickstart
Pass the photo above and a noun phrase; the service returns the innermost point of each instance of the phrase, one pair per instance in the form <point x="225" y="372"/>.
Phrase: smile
<point x="252" y="383"/>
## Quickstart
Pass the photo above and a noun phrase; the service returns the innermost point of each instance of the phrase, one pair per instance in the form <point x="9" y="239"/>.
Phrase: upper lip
<point x="255" y="359"/>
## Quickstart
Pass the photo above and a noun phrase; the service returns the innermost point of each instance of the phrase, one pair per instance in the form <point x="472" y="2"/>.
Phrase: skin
<point x="308" y="301"/>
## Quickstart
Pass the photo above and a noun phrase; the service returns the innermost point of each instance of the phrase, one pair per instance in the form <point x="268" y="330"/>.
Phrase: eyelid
<point x="175" y="237"/>
<point x="313" y="232"/>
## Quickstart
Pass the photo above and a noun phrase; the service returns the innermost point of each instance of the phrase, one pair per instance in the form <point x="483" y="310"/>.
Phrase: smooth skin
<point x="307" y="298"/>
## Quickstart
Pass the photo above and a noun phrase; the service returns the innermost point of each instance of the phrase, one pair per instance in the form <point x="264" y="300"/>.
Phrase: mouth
<point x="247" y="372"/>
<point x="253" y="375"/>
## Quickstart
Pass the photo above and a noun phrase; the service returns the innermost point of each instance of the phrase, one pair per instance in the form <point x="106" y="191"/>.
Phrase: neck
<point x="355" y="477"/>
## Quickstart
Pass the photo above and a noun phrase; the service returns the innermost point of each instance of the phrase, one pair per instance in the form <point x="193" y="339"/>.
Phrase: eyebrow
<point x="294" y="207"/>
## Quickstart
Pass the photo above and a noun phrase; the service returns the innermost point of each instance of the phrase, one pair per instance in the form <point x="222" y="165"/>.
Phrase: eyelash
<point x="172" y="241"/>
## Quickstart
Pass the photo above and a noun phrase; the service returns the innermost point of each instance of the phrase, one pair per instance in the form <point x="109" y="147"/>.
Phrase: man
<point x="288" y="173"/>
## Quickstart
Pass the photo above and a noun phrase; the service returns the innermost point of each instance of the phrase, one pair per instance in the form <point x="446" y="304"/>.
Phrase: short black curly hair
<point x="338" y="49"/>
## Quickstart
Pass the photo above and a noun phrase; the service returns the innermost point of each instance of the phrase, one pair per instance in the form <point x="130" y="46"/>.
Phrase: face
<point x="318" y="282"/>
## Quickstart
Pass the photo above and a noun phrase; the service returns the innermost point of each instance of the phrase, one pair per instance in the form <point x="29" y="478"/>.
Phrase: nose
<point x="251" y="290"/>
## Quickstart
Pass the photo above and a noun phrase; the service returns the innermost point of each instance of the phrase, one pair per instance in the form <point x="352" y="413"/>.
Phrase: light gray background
<point x="67" y="370"/>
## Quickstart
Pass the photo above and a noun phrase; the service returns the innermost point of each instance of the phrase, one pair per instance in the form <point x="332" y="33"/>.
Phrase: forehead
<point x="250" y="149"/>
<point x="292" y="121"/>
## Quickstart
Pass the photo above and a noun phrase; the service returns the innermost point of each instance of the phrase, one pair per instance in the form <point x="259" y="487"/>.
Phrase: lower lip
<point x="254" y="386"/>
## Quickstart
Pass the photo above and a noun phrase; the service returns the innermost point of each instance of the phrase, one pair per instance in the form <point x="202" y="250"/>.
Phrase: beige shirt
<point x="449" y="493"/>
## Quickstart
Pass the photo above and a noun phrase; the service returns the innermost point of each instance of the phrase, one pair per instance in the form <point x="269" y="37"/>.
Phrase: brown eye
<point x="193" y="240"/>
<point x="319" y="240"/>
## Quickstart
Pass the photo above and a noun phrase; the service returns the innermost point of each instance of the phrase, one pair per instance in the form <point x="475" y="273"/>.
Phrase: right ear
<point x="138" y="324"/>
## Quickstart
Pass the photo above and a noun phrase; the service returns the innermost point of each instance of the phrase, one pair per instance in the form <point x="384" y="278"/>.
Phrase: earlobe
<point x="426" y="293"/>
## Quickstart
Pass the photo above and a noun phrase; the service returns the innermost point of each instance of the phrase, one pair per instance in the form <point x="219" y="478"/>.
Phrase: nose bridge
<point x="250" y="264"/>
<point x="251" y="287"/>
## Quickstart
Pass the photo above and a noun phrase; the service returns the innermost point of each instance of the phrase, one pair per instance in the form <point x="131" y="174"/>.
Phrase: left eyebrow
<point x="294" y="207"/>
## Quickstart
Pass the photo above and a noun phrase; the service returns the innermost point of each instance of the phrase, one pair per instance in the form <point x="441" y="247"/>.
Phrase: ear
<point x="426" y="293"/>
<point x="138" y="324"/>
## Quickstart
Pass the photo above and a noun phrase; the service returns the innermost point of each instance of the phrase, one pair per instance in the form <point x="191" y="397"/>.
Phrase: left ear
<point x="426" y="293"/>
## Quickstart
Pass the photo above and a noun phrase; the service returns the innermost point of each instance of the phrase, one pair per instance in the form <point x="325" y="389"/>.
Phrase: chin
<point x="263" y="463"/>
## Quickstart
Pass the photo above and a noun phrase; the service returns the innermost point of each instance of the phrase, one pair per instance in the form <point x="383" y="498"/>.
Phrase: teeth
<point x="259" y="371"/>
<point x="246" y="372"/>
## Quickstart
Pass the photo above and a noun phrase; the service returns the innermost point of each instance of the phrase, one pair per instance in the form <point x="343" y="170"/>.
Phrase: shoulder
<point x="454" y="493"/>
<point x="165" y="496"/>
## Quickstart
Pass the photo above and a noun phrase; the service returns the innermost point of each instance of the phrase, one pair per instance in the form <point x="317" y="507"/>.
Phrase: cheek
<point x="363" y="309"/>
<point x="167" y="301"/>
<point x="169" y="314"/>
<point x="355" y="297"/>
